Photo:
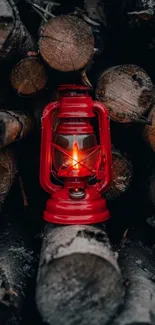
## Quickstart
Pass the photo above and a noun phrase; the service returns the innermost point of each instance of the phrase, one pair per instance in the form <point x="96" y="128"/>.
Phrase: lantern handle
<point x="105" y="145"/>
<point x="46" y="144"/>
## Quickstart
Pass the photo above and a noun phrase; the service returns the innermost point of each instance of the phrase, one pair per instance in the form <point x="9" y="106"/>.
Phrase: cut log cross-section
<point x="66" y="43"/>
<point x="79" y="281"/>
<point x="28" y="76"/>
<point x="14" y="126"/>
<point x="126" y="90"/>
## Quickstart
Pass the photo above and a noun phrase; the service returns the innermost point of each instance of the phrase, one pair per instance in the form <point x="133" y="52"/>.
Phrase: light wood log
<point x="66" y="43"/>
<point x="78" y="279"/>
<point x="126" y="91"/>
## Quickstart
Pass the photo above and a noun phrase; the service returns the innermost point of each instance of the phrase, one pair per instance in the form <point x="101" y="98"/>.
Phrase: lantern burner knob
<point x="77" y="193"/>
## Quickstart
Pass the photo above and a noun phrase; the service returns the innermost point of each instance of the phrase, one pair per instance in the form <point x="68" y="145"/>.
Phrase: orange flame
<point x="75" y="155"/>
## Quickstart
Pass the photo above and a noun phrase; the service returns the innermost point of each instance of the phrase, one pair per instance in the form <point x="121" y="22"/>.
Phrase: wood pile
<point x="82" y="278"/>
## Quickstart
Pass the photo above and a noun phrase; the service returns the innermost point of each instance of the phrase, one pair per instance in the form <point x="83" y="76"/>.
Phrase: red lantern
<point x="76" y="166"/>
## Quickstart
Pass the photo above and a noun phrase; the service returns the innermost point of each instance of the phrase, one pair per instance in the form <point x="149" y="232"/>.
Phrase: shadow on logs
<point x="79" y="281"/>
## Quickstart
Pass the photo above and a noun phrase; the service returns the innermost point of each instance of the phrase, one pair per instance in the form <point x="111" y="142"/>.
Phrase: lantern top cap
<point x="73" y="87"/>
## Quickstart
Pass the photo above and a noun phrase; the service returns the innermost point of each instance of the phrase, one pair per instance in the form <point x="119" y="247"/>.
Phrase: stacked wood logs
<point x="81" y="278"/>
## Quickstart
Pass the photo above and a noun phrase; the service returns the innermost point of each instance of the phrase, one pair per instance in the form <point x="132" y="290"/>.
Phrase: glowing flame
<point x="75" y="155"/>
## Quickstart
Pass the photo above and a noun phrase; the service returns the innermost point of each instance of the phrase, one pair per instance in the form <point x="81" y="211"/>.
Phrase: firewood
<point x="14" y="126"/>
<point x="17" y="267"/>
<point x="14" y="39"/>
<point x="66" y="43"/>
<point x="126" y="90"/>
<point x="95" y="11"/>
<point x="149" y="130"/>
<point x="8" y="171"/>
<point x="122" y="175"/>
<point x="79" y="281"/>
<point x="28" y="76"/>
<point x="138" y="270"/>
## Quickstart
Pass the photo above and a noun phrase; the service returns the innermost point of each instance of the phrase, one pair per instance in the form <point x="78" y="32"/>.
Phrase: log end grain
<point x="79" y="289"/>
<point x="66" y="43"/>
<point x="126" y="91"/>
<point x="28" y="76"/>
<point x="79" y="281"/>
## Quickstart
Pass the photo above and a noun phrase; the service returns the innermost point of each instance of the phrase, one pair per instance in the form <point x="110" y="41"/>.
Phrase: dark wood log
<point x="149" y="130"/>
<point x="66" y="43"/>
<point x="18" y="261"/>
<point x="28" y="76"/>
<point x="126" y="90"/>
<point x="138" y="268"/>
<point x="151" y="187"/>
<point x="14" y="37"/>
<point x="122" y="175"/>
<point x="78" y="280"/>
<point x="14" y="126"/>
<point x="8" y="171"/>
<point x="95" y="10"/>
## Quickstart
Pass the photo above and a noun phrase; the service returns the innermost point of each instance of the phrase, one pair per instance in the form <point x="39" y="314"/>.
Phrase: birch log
<point x="138" y="269"/>
<point x="79" y="281"/>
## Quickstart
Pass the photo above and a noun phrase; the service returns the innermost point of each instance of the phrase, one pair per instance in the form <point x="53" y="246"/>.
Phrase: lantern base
<point x="60" y="209"/>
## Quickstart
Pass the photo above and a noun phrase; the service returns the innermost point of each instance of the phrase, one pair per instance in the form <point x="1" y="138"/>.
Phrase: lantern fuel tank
<point x="75" y="159"/>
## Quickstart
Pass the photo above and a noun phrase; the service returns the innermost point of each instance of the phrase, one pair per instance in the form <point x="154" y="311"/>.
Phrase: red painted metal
<point x="70" y="152"/>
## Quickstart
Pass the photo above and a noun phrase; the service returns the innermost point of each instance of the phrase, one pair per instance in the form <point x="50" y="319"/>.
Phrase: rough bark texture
<point x="14" y="126"/>
<point x="149" y="130"/>
<point x="14" y="37"/>
<point x="126" y="90"/>
<point x="78" y="277"/>
<point x="66" y="43"/>
<point x="28" y="76"/>
<point x="138" y="268"/>
<point x="7" y="172"/>
<point x="17" y="266"/>
<point x="122" y="175"/>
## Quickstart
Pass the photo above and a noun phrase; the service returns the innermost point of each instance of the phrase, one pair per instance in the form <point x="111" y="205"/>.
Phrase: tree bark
<point x="8" y="172"/>
<point x="126" y="91"/>
<point x="66" y="43"/>
<point x="78" y="279"/>
<point x="17" y="267"/>
<point x="122" y="175"/>
<point x="14" y="126"/>
<point x="28" y="76"/>
<point x="14" y="37"/>
<point x="138" y="269"/>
